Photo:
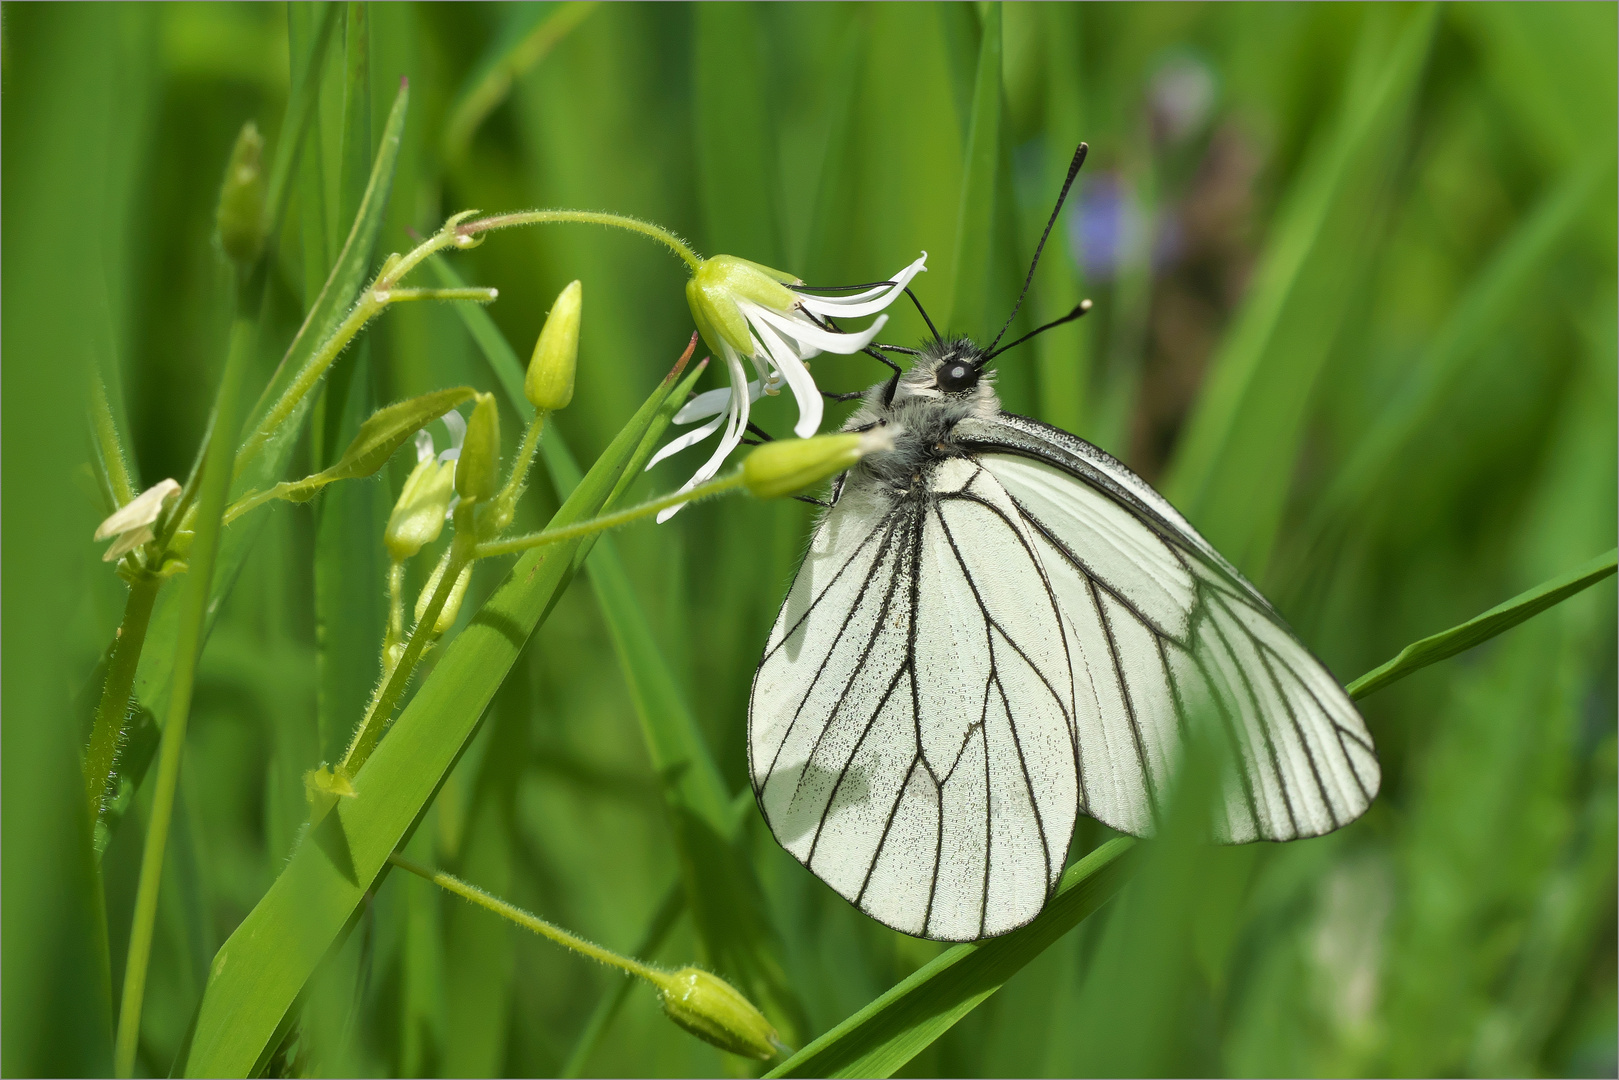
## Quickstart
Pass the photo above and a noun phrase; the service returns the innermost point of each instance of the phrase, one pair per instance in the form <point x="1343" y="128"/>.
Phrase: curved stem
<point x="607" y="521"/>
<point x="539" y="926"/>
<point x="126" y="656"/>
<point x="586" y="217"/>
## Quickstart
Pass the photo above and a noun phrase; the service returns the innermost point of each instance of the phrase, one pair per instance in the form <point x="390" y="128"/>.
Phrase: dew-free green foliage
<point x="1354" y="273"/>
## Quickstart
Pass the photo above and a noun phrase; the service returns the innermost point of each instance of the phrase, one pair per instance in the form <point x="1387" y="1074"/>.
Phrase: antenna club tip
<point x="1085" y="305"/>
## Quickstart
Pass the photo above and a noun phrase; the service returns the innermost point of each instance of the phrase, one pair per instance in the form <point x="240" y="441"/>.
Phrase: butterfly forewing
<point x="911" y="730"/>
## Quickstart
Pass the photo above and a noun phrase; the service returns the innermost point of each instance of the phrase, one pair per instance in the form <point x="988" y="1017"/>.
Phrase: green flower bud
<point x="452" y="603"/>
<point x="549" y="383"/>
<point x="716" y="1012"/>
<point x="788" y="465"/>
<point x="418" y="516"/>
<point x="719" y="283"/>
<point x="241" y="218"/>
<point x="477" y="475"/>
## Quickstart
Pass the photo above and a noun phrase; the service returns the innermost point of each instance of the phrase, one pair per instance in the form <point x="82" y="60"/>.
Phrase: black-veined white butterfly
<point x="998" y="627"/>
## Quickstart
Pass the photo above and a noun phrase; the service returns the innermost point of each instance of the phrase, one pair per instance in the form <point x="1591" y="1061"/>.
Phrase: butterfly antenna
<point x="1073" y="171"/>
<point x="1079" y="312"/>
<point x="922" y="312"/>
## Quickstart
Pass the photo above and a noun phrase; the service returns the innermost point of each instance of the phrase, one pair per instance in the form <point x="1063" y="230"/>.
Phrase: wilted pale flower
<point x="745" y="310"/>
<point x="132" y="522"/>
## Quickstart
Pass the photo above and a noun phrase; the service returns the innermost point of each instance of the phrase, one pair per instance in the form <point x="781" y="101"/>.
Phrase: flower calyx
<point x="716" y="1012"/>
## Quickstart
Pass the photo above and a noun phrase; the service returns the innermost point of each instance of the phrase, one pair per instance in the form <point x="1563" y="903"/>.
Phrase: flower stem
<point x="109" y="724"/>
<point x="378" y="295"/>
<point x="586" y="217"/>
<point x="215" y="488"/>
<point x="382" y="706"/>
<point x="530" y="922"/>
<point x="607" y="521"/>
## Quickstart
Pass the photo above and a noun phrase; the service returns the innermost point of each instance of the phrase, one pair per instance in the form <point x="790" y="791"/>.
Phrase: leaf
<point x="1477" y="318"/>
<point x="883" y="1036"/>
<point x="1476" y="631"/>
<point x="259" y="972"/>
<point x="383" y="432"/>
<point x="736" y="144"/>
<point x="975" y="220"/>
<point x="534" y="32"/>
<point x="1233" y="464"/>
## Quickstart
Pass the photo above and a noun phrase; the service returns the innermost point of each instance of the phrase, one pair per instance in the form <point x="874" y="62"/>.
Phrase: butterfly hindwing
<point x="1170" y="634"/>
<point x="911" y="726"/>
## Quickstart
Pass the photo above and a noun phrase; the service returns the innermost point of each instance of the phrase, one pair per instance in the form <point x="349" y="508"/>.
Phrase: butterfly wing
<point x="911" y="727"/>
<point x="1165" y="633"/>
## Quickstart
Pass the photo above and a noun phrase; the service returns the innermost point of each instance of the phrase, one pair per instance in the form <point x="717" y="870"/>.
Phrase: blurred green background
<point x="1355" y="275"/>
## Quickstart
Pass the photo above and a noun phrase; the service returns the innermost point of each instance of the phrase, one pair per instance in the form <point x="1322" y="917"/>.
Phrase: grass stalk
<point x="515" y="914"/>
<point x="215" y="488"/>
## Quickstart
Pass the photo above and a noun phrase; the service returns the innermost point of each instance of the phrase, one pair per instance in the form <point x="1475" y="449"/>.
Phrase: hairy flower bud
<point x="788" y="465"/>
<point x="549" y="383"/>
<point x="452" y="603"/>
<point x="240" y="217"/>
<point x="418" y="516"/>
<point x="716" y="1012"/>
<point x="478" y="473"/>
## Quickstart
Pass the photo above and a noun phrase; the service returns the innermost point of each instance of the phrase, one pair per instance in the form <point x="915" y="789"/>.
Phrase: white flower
<point x="747" y="311"/>
<point x="132" y="522"/>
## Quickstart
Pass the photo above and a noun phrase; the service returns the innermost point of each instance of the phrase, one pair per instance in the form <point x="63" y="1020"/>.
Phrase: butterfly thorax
<point x="946" y="385"/>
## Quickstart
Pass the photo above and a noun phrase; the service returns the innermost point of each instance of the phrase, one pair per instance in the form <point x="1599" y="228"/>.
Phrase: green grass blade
<point x="349" y="608"/>
<point x="1476" y="631"/>
<point x="975" y="221"/>
<point x="535" y="31"/>
<point x="260" y="971"/>
<point x="1477" y="319"/>
<point x="353" y="266"/>
<point x="736" y="146"/>
<point x="883" y="1036"/>
<point x="190" y="633"/>
<point x="1233" y="465"/>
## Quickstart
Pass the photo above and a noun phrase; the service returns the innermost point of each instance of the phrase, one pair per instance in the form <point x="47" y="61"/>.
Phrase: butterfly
<point x="997" y="627"/>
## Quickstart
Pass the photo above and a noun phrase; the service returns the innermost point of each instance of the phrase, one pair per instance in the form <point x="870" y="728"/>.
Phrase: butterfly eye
<point x="956" y="376"/>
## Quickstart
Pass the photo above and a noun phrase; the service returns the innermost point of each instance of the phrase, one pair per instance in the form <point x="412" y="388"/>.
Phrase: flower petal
<point x="127" y="542"/>
<point x="457" y="425"/>
<point x="690" y="438"/>
<point x="424" y="446"/>
<point x="140" y="511"/>
<point x="802" y="330"/>
<point x="807" y="394"/>
<point x="712" y="403"/>
<point x="868" y="302"/>
<point x="737" y="423"/>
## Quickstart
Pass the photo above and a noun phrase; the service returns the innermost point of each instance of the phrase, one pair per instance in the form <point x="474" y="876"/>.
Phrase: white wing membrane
<point x="1171" y="635"/>
<point x="1029" y="633"/>
<point x="911" y="728"/>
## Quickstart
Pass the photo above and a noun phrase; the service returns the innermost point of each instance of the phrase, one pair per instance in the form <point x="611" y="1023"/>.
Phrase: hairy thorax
<point x="922" y="415"/>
